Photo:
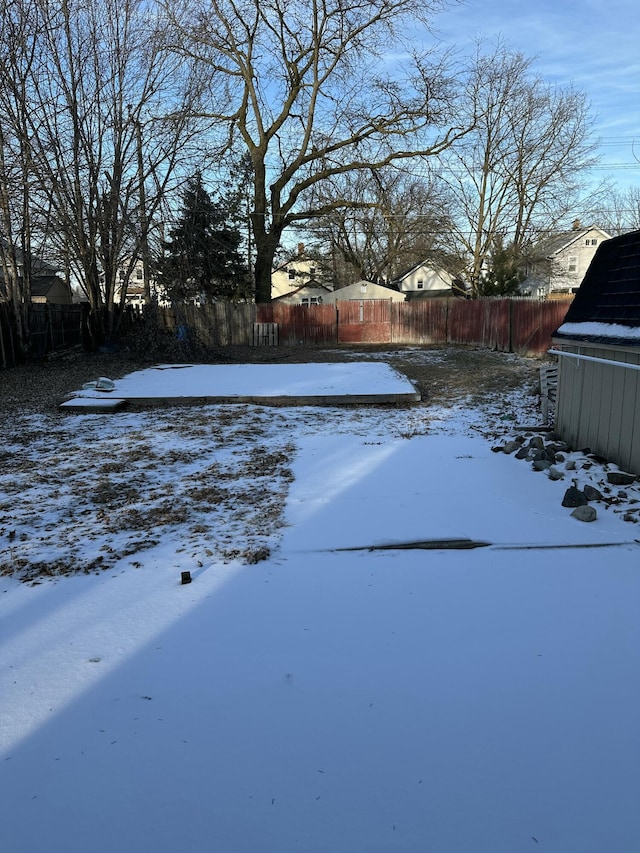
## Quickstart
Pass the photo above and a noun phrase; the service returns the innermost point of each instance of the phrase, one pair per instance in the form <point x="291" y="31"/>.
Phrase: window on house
<point x="420" y="284"/>
<point x="311" y="300"/>
<point x="591" y="241"/>
<point x="573" y="263"/>
<point x="139" y="274"/>
<point x="292" y="274"/>
<point x="312" y="270"/>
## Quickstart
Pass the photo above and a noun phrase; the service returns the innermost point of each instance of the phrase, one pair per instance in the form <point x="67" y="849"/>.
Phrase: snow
<point x="601" y="330"/>
<point x="258" y="380"/>
<point x="320" y="699"/>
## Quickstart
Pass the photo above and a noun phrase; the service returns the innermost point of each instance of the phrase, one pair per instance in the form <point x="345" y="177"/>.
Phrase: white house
<point x="425" y="280"/>
<point x="559" y="263"/>
<point x="364" y="290"/>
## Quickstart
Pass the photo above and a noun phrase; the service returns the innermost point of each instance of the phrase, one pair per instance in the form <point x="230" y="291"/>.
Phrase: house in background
<point x="558" y="264"/>
<point x="310" y="293"/>
<point x="46" y="285"/>
<point x="364" y="290"/>
<point x="133" y="279"/>
<point x="425" y="281"/>
<point x="295" y="272"/>
<point x="51" y="289"/>
<point x="598" y="397"/>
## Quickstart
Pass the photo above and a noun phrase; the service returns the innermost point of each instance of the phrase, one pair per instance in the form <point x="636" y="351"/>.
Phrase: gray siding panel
<point x="599" y="404"/>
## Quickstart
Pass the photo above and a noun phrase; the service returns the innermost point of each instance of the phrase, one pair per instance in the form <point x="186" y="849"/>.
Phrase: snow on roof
<point x="600" y="330"/>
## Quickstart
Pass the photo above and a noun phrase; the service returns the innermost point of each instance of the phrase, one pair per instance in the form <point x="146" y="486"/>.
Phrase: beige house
<point x="294" y="273"/>
<point x="364" y="290"/>
<point x="425" y="281"/>
<point x="311" y="293"/>
<point x="558" y="265"/>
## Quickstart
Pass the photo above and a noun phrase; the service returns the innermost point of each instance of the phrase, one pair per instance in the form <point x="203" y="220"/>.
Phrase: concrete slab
<point x="353" y="383"/>
<point x="94" y="404"/>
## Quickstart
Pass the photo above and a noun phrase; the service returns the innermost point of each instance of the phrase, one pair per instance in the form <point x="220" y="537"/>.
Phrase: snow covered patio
<point x="320" y="699"/>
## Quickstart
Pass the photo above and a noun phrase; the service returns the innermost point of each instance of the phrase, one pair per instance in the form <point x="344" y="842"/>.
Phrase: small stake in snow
<point x="186" y="577"/>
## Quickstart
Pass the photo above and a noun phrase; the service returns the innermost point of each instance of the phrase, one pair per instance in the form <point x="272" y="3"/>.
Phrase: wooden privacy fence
<point x="508" y="325"/>
<point x="51" y="327"/>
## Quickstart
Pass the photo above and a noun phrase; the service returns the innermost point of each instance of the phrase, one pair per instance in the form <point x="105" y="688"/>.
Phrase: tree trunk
<point x="265" y="247"/>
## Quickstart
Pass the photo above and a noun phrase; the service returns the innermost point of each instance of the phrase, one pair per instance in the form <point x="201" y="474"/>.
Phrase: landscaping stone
<point x="585" y="513"/>
<point x="511" y="447"/>
<point x="592" y="494"/>
<point x="574" y="497"/>
<point x="554" y="474"/>
<point x="620" y="478"/>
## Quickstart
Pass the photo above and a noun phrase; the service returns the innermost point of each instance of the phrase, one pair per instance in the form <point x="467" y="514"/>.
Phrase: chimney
<point x="300" y="249"/>
<point x="577" y="225"/>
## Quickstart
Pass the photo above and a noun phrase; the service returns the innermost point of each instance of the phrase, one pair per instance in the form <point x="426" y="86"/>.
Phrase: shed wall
<point x="598" y="404"/>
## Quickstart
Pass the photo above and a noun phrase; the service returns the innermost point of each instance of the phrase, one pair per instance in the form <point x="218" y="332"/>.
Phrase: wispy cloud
<point x="591" y="46"/>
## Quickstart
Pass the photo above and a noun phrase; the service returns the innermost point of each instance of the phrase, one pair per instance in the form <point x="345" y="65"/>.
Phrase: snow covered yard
<point x="296" y="696"/>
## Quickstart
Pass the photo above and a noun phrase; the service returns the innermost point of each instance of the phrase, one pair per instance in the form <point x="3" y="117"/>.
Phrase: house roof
<point x="42" y="284"/>
<point x="312" y="284"/>
<point x="558" y="242"/>
<point x="415" y="268"/>
<point x="368" y="290"/>
<point x="608" y="300"/>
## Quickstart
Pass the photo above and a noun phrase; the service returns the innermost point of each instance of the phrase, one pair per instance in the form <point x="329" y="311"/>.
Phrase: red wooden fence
<point x="507" y="325"/>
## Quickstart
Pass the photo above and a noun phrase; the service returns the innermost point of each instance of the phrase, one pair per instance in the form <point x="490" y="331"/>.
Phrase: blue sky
<point x="594" y="45"/>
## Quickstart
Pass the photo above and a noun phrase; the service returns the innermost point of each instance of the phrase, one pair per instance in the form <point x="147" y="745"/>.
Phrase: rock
<point x="554" y="474"/>
<point x="511" y="447"/>
<point x="557" y="447"/>
<point x="585" y="513"/>
<point x="619" y="478"/>
<point x="592" y="494"/>
<point x="574" y="497"/>
<point x="541" y="455"/>
<point x="522" y="453"/>
<point x="541" y="465"/>
<point x="537" y="441"/>
<point x="571" y="465"/>
<point x="497" y="448"/>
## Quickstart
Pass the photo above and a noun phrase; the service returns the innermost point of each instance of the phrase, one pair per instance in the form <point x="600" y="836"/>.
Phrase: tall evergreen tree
<point x="202" y="259"/>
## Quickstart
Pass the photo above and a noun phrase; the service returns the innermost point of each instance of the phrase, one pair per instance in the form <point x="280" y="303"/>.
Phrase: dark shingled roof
<point x="610" y="290"/>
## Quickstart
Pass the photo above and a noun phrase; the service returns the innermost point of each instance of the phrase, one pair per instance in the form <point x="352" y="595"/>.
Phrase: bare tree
<point x="393" y="221"/>
<point x="615" y="210"/>
<point x="304" y="85"/>
<point x="16" y="60"/>
<point x="108" y="116"/>
<point x="521" y="169"/>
